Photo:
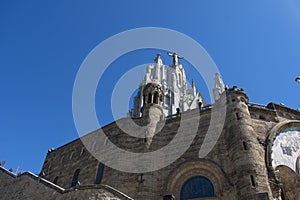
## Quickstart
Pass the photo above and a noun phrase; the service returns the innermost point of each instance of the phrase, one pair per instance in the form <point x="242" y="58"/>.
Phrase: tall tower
<point x="166" y="86"/>
<point x="247" y="169"/>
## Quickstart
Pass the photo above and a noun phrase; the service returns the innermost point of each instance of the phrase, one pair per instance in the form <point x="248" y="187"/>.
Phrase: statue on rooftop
<point x="175" y="57"/>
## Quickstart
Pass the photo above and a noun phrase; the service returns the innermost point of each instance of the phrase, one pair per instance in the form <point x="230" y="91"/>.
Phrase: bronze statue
<point x="175" y="57"/>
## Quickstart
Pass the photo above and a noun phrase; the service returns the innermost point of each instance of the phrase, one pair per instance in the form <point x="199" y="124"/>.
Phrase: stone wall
<point x="64" y="161"/>
<point x="28" y="186"/>
<point x="236" y="165"/>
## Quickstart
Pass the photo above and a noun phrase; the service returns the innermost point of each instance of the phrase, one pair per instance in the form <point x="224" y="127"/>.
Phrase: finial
<point x="219" y="87"/>
<point x="193" y="83"/>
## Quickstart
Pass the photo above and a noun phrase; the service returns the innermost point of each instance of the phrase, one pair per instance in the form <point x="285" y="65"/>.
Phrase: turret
<point x="193" y="88"/>
<point x="152" y="111"/>
<point x="244" y="150"/>
<point x="152" y="96"/>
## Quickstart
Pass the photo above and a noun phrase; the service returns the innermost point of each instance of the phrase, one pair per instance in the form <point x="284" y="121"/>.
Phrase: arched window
<point x="99" y="173"/>
<point x="75" y="181"/>
<point x="149" y="98"/>
<point x="179" y="79"/>
<point x="197" y="187"/>
<point x="155" y="98"/>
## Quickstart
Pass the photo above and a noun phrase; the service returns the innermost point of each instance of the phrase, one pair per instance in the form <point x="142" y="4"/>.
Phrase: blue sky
<point x="255" y="45"/>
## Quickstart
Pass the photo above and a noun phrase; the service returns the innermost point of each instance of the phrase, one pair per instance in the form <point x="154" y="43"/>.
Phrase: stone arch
<point x="275" y="131"/>
<point x="152" y="93"/>
<point x="205" y="168"/>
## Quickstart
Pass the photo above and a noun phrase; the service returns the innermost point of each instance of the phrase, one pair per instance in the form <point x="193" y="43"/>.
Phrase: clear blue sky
<point x="255" y="44"/>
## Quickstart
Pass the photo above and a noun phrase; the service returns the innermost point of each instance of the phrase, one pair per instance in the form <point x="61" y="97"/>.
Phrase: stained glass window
<point x="196" y="187"/>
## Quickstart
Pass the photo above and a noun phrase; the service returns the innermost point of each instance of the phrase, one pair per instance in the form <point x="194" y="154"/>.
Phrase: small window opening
<point x="55" y="180"/>
<point x="155" y="98"/>
<point x="262" y="117"/>
<point x="253" y="184"/>
<point x="75" y="180"/>
<point x="238" y="117"/>
<point x="243" y="99"/>
<point x="245" y="145"/>
<point x="177" y="111"/>
<point x="282" y="194"/>
<point x="141" y="178"/>
<point x="99" y="173"/>
<point x="149" y="98"/>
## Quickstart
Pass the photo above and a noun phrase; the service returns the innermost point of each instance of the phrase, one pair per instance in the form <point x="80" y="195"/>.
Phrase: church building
<point x="237" y="151"/>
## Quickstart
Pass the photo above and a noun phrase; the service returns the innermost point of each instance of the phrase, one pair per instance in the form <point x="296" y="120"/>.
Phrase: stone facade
<point x="30" y="186"/>
<point x="238" y="166"/>
<point x="173" y="83"/>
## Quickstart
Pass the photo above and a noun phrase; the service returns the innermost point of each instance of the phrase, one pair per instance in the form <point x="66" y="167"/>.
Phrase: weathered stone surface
<point x="31" y="187"/>
<point x="237" y="165"/>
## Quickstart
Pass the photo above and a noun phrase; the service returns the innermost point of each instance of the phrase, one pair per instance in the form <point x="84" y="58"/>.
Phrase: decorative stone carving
<point x="219" y="87"/>
<point x="172" y="85"/>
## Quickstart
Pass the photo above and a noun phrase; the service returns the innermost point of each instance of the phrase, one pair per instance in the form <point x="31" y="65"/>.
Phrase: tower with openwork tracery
<point x="167" y="87"/>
